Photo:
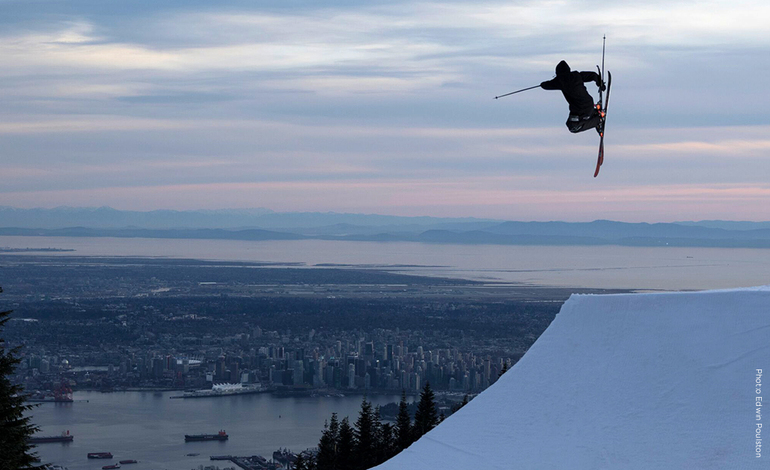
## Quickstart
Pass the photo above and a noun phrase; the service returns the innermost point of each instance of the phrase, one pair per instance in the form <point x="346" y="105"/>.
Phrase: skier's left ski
<point x="600" y="160"/>
<point x="603" y="121"/>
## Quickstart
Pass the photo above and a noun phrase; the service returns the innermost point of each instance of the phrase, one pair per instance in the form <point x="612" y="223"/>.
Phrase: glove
<point x="601" y="85"/>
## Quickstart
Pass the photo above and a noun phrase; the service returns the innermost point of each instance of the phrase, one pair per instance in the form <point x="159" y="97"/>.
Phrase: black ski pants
<point x="577" y="123"/>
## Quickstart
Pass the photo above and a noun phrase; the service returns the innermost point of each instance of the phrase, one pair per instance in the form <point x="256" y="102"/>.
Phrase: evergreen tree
<point x="366" y="438"/>
<point x="310" y="463"/>
<point x="15" y="429"/>
<point x="346" y="447"/>
<point x="456" y="407"/>
<point x="426" y="417"/>
<point x="387" y="441"/>
<point x="403" y="425"/>
<point x="300" y="463"/>
<point x="383" y="438"/>
<point x="328" y="445"/>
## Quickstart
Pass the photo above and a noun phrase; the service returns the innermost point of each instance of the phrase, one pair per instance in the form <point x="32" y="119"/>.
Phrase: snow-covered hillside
<point x="637" y="381"/>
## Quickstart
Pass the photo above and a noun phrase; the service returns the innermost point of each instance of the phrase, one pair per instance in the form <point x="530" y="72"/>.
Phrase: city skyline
<point x="384" y="108"/>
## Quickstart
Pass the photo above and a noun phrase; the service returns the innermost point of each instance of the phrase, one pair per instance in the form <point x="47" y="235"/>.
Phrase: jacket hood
<point x="562" y="69"/>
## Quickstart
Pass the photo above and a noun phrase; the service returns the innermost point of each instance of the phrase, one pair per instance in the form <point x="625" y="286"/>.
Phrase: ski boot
<point x="600" y="125"/>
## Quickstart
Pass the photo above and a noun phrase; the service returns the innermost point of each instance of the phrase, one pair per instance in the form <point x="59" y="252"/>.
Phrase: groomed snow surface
<point x="634" y="381"/>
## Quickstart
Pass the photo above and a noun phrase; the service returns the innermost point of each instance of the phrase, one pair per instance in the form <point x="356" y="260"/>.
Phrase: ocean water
<point x="612" y="267"/>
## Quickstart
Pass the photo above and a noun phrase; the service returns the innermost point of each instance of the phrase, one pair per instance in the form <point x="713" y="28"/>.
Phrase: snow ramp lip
<point x="631" y="381"/>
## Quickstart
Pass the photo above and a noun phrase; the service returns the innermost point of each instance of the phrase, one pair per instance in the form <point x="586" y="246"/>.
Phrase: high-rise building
<point x="299" y="373"/>
<point x="351" y="376"/>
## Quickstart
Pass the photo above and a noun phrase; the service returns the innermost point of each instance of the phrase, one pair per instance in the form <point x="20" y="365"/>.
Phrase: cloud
<point x="90" y="124"/>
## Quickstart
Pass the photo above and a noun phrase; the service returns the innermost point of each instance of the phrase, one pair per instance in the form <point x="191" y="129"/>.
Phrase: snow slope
<point x="635" y="381"/>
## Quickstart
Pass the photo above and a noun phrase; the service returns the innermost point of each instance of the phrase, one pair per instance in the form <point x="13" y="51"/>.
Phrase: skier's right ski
<point x="603" y="121"/>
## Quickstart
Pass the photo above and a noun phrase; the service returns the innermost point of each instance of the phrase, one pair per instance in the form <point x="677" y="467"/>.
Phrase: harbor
<point x="256" y="424"/>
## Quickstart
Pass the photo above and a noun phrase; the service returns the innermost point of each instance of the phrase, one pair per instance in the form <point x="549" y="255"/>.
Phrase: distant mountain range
<point x="107" y="217"/>
<point x="263" y="224"/>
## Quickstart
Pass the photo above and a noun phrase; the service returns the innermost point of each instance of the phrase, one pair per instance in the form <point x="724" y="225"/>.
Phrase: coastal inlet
<point x="150" y="428"/>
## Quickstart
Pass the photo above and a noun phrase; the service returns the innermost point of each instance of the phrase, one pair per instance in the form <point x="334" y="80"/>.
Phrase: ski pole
<point x="604" y="41"/>
<point x="601" y="72"/>
<point x="517" y="91"/>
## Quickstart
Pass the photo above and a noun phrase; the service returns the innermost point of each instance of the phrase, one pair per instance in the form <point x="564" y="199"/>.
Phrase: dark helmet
<point x="562" y="69"/>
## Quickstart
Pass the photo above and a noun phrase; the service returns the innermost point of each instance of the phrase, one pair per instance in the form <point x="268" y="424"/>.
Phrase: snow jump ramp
<point x="632" y="381"/>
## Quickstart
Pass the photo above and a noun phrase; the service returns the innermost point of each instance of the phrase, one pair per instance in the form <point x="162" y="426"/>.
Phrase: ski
<point x="602" y="123"/>
<point x="600" y="160"/>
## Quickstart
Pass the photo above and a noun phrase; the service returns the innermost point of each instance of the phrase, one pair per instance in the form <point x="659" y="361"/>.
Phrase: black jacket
<point x="571" y="85"/>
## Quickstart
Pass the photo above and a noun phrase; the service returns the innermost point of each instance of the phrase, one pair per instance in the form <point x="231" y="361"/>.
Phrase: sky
<point x="385" y="107"/>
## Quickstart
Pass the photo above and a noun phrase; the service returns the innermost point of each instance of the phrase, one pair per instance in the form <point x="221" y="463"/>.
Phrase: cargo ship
<point x="123" y="462"/>
<point x="99" y="455"/>
<point x="64" y="437"/>
<point x="111" y="467"/>
<point x="220" y="436"/>
<point x="48" y="399"/>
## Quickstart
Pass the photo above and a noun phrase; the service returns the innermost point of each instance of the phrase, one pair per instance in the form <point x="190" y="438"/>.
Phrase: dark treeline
<point x="369" y="442"/>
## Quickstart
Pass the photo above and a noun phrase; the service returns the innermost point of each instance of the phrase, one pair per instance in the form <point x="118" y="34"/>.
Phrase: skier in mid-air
<point x="583" y="113"/>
